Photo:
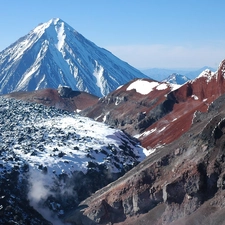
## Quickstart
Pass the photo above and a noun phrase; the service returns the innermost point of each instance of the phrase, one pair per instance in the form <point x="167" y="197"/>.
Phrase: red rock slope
<point x="193" y="96"/>
<point x="77" y="100"/>
<point x="156" y="112"/>
<point x="180" y="183"/>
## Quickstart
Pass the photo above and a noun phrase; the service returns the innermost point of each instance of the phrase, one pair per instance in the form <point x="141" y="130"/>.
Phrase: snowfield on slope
<point x="145" y="87"/>
<point x="60" y="142"/>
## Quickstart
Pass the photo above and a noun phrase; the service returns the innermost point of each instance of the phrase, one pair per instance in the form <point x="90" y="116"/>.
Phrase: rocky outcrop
<point x="181" y="183"/>
<point x="203" y="87"/>
<point x="64" y="91"/>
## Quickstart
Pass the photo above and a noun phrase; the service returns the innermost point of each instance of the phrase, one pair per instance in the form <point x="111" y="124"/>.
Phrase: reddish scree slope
<point x="77" y="101"/>
<point x="193" y="96"/>
<point x="161" y="116"/>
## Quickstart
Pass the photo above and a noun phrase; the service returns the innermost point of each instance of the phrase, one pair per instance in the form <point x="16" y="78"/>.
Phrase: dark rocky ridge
<point x="129" y="110"/>
<point x="181" y="183"/>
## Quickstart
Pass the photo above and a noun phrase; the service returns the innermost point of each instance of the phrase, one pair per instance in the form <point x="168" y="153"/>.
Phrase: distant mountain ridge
<point x="160" y="74"/>
<point x="176" y="79"/>
<point x="54" y="53"/>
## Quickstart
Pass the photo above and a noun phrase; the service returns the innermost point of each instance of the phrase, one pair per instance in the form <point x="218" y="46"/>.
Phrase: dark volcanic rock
<point x="52" y="159"/>
<point x="64" y="91"/>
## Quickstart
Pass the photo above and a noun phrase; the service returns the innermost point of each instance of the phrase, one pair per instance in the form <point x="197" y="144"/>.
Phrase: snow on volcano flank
<point x="145" y="87"/>
<point x="63" y="142"/>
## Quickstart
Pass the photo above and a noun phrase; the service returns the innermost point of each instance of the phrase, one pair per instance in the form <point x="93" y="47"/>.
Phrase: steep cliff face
<point x="205" y="87"/>
<point x="181" y="183"/>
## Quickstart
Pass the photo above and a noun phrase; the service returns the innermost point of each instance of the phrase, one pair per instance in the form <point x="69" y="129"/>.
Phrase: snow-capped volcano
<point x="54" y="53"/>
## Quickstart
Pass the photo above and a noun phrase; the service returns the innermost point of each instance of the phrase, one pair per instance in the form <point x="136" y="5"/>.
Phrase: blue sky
<point x="144" y="33"/>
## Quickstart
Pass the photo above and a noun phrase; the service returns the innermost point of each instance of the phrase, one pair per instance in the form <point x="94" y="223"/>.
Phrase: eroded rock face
<point x="182" y="183"/>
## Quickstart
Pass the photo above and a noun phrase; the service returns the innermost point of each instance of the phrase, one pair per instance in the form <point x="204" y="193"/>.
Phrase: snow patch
<point x="149" y="151"/>
<point x="119" y="87"/>
<point x="61" y="37"/>
<point x="142" y="86"/>
<point x="195" y="97"/>
<point x="146" y="133"/>
<point x="174" y="87"/>
<point x="40" y="82"/>
<point x="98" y="73"/>
<point x="162" y="86"/>
<point x="208" y="74"/>
<point x="162" y="129"/>
<point x="105" y="117"/>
